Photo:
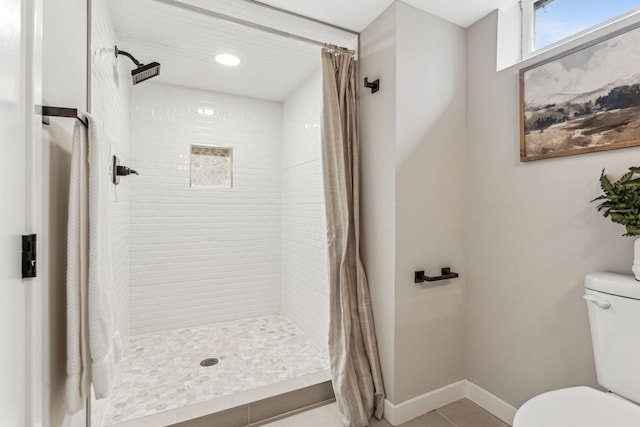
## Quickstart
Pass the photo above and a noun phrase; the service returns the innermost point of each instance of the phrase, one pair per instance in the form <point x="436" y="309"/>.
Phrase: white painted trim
<point x="412" y="408"/>
<point x="36" y="306"/>
<point x="409" y="409"/>
<point x="490" y="403"/>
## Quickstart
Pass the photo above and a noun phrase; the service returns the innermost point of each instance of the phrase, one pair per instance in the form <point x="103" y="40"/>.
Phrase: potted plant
<point x="621" y="203"/>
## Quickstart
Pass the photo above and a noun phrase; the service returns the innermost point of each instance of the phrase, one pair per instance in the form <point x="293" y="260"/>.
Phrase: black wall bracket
<point x="47" y="111"/>
<point x="28" y="256"/>
<point x="446" y="274"/>
<point x="374" y="85"/>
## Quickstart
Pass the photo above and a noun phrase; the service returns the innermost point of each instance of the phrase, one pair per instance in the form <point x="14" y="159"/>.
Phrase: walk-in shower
<point x="219" y="245"/>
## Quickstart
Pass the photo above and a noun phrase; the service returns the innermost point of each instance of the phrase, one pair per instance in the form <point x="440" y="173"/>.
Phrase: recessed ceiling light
<point x="226" y="59"/>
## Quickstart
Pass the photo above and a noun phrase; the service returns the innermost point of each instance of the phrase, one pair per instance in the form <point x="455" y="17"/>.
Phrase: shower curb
<point x="267" y="410"/>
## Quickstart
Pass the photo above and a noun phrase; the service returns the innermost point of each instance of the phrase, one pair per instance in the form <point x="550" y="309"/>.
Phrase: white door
<point x="21" y="367"/>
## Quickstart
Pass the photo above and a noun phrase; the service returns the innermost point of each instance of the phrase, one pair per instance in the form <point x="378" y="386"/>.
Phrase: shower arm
<point x="128" y="55"/>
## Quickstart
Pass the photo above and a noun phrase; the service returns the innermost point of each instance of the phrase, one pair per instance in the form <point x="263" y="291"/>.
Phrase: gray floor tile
<point x="379" y="423"/>
<point x="430" y="419"/>
<point x="462" y="413"/>
<point x="465" y="413"/>
<point x="324" y="416"/>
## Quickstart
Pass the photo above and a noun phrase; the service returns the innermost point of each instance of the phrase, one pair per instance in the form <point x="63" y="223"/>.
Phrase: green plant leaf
<point x="625" y="178"/>
<point x="632" y="230"/>
<point x="621" y="200"/>
<point x="605" y="184"/>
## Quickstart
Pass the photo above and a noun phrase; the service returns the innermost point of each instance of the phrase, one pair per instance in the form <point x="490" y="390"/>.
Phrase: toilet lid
<point x="577" y="407"/>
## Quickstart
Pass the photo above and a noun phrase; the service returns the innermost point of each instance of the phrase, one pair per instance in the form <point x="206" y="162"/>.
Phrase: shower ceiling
<point x="186" y="43"/>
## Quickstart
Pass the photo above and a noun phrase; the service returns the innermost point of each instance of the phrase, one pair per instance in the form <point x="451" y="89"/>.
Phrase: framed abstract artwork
<point x="584" y="100"/>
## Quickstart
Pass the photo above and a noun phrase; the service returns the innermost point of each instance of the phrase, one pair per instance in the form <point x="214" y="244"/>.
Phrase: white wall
<point x="430" y="200"/>
<point x="377" y="151"/>
<point x="201" y="256"/>
<point x="305" y="287"/>
<point x="110" y="86"/>
<point x="533" y="235"/>
<point x="413" y="168"/>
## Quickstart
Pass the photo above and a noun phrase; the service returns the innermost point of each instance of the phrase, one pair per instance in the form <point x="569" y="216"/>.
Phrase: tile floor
<point x="463" y="413"/>
<point x="162" y="372"/>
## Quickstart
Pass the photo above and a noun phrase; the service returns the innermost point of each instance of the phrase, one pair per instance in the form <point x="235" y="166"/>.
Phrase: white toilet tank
<point x="613" y="302"/>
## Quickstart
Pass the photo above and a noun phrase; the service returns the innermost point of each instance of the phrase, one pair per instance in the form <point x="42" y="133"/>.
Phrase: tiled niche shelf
<point x="211" y="167"/>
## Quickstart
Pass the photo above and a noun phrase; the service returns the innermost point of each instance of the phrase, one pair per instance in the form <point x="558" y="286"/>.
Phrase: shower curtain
<point x="355" y="365"/>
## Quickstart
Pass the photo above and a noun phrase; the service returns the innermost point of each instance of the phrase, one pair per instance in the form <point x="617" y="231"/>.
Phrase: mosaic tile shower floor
<point x="161" y="371"/>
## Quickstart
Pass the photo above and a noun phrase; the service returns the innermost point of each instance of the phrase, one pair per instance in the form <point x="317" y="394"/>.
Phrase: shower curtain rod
<point x="253" y="25"/>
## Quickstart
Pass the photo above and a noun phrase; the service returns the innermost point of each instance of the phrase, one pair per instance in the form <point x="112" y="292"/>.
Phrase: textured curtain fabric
<point x="355" y="365"/>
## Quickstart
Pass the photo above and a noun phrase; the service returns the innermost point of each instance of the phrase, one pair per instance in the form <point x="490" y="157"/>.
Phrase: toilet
<point x="613" y="302"/>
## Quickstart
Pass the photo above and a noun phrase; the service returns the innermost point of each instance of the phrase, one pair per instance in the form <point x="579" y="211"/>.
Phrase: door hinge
<point x="28" y="256"/>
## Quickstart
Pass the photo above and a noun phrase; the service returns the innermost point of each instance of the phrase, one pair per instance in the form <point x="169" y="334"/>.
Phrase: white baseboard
<point x="409" y="409"/>
<point x="412" y="408"/>
<point x="490" y="403"/>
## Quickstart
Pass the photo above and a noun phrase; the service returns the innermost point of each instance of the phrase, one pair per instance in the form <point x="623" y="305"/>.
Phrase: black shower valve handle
<point x="124" y="171"/>
<point x="119" y="170"/>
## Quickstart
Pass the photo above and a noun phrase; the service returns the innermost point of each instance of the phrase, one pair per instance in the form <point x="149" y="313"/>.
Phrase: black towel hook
<point x="374" y="85"/>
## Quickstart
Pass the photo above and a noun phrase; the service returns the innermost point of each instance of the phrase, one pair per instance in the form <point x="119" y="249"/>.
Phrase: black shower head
<point x="142" y="72"/>
<point x="145" y="72"/>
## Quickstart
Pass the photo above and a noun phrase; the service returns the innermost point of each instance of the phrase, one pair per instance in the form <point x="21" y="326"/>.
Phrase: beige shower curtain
<point x="355" y="365"/>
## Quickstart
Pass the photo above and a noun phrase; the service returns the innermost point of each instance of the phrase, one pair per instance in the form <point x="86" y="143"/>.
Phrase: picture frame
<point x="584" y="100"/>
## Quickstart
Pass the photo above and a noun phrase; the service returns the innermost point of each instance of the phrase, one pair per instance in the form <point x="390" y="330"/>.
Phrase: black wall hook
<point x="374" y="85"/>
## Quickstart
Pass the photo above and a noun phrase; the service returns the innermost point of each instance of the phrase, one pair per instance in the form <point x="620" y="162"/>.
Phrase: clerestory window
<point x="547" y="23"/>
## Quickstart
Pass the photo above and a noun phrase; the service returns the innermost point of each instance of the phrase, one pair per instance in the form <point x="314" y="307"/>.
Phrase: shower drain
<point x="209" y="362"/>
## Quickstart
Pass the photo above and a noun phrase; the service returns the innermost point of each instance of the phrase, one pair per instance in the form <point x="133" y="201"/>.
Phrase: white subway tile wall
<point x="199" y="255"/>
<point x="305" y="287"/>
<point x="110" y="86"/>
